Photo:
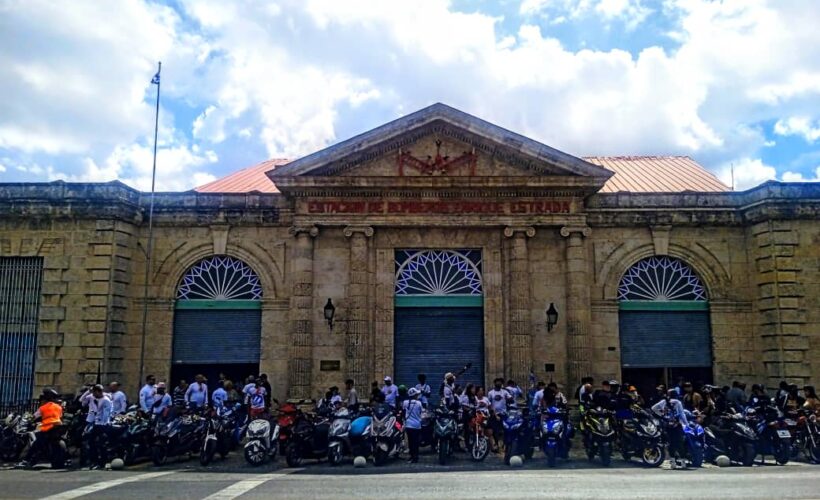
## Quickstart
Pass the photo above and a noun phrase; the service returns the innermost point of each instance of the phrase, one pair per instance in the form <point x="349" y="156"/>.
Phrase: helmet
<point x="614" y="382"/>
<point x="413" y="392"/>
<point x="388" y="379"/>
<point x="50" y="394"/>
<point x="449" y="375"/>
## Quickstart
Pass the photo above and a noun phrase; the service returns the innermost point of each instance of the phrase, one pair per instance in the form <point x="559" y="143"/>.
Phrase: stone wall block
<point x="52" y="313"/>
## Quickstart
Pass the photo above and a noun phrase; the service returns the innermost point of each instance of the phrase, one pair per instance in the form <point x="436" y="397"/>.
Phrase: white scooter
<point x="263" y="443"/>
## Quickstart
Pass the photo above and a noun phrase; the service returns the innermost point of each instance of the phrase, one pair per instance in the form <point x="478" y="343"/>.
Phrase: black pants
<point x="98" y="438"/>
<point x="676" y="445"/>
<point x="413" y="438"/>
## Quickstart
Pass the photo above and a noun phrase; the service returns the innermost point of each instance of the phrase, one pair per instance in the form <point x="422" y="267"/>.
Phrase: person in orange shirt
<point x="50" y="416"/>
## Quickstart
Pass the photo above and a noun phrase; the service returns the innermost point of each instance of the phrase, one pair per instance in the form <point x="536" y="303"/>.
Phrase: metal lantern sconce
<point x="330" y="311"/>
<point x="552" y="316"/>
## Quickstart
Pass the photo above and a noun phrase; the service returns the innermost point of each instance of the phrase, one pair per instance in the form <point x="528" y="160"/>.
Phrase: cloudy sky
<point x="726" y="82"/>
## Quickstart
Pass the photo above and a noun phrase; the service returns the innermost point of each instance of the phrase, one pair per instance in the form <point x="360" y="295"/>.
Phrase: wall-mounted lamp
<point x="552" y="316"/>
<point x="330" y="311"/>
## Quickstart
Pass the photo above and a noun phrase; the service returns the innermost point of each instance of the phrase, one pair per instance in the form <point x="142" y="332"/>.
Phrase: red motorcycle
<point x="286" y="418"/>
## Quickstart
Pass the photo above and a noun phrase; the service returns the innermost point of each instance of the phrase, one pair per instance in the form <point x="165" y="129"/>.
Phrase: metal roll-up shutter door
<point x="665" y="339"/>
<point x="217" y="336"/>
<point x="435" y="341"/>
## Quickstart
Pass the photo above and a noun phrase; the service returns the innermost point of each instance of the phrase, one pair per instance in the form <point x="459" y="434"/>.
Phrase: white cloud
<point x="798" y="125"/>
<point x="290" y="77"/>
<point x="748" y="173"/>
<point x="798" y="177"/>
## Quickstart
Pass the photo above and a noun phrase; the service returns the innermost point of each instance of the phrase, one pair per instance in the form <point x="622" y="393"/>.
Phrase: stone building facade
<point x="526" y="227"/>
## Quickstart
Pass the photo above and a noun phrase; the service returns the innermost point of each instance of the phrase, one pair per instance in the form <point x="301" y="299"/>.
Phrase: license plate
<point x="784" y="434"/>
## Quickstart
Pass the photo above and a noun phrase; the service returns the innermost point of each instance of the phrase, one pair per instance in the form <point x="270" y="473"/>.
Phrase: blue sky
<point x="732" y="82"/>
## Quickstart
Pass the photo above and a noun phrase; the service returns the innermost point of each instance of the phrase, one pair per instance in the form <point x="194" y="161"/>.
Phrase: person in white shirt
<point x="161" y="400"/>
<point x="119" y="403"/>
<point x="424" y="390"/>
<point x="499" y="398"/>
<point x="514" y="390"/>
<point x="257" y="401"/>
<point x="249" y="389"/>
<point x="147" y="394"/>
<point x="671" y="411"/>
<point x="220" y="395"/>
<point x="390" y="391"/>
<point x="448" y="390"/>
<point x="352" y="401"/>
<point x="197" y="394"/>
<point x="412" y="408"/>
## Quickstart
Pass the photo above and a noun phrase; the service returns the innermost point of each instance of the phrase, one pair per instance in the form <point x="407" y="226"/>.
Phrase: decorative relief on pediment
<point x="438" y="164"/>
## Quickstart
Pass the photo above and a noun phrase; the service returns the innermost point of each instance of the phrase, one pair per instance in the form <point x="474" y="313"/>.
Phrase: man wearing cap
<point x="119" y="403"/>
<point x="390" y="391"/>
<point x="603" y="396"/>
<point x="99" y="416"/>
<point x="448" y="389"/>
<point x="412" y="422"/>
<point x="161" y="400"/>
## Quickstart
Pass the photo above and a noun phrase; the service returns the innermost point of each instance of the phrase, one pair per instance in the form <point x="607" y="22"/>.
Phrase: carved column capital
<point x="510" y="231"/>
<point x="367" y="231"/>
<point x="312" y="231"/>
<point x="584" y="231"/>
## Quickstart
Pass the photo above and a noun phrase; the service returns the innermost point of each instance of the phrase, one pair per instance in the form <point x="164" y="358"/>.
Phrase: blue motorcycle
<point x="556" y="432"/>
<point x="518" y="434"/>
<point x="695" y="439"/>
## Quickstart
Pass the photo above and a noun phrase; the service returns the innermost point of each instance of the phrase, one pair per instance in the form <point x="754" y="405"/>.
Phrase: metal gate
<point x="221" y="336"/>
<point x="652" y="339"/>
<point x="20" y="286"/>
<point x="437" y="340"/>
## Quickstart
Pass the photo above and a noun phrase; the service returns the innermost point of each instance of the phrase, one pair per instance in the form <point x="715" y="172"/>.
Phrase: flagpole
<point x="150" y="246"/>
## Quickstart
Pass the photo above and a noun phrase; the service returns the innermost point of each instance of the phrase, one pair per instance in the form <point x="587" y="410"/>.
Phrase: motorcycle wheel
<point x="551" y="457"/>
<point x="443" y="451"/>
<point x="223" y="448"/>
<point x="479" y="448"/>
<point x="814" y="454"/>
<point x="334" y="455"/>
<point x="653" y="456"/>
<point x="293" y="456"/>
<point x="749" y="454"/>
<point x="159" y="455"/>
<point x="206" y="455"/>
<point x="130" y="455"/>
<point x="696" y="456"/>
<point x="781" y="455"/>
<point x="254" y="455"/>
<point x="606" y="455"/>
<point x="379" y="457"/>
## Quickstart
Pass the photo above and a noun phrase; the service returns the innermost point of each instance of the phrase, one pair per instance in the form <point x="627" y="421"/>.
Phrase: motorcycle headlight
<point x="603" y="426"/>
<point x="338" y="427"/>
<point x="558" y="427"/>
<point x="650" y="427"/>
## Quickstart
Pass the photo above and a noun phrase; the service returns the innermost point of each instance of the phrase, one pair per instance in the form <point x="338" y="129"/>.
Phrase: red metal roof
<point x="245" y="180"/>
<point x="634" y="174"/>
<point x="656" y="174"/>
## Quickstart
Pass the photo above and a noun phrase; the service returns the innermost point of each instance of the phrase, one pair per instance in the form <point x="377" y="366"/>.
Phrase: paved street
<point x="576" y="479"/>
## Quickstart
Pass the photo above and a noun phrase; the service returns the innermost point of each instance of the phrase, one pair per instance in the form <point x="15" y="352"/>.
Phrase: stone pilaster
<point x="520" y="327"/>
<point x="578" y="305"/>
<point x="358" y="358"/>
<point x="780" y="303"/>
<point x="300" y="361"/>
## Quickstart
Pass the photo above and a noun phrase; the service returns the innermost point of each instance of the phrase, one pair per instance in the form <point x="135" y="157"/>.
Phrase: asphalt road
<point x="462" y="480"/>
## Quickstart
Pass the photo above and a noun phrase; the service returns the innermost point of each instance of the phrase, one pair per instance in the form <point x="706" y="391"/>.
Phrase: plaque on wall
<point x="330" y="365"/>
<point x="549" y="367"/>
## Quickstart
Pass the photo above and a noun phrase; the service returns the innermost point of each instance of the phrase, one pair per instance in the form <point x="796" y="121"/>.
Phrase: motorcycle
<point x="518" y="434"/>
<point x="478" y="443"/>
<point x="445" y="430"/>
<point x="642" y="436"/>
<point x="55" y="451"/>
<point x="338" y="436"/>
<point x="308" y="439"/>
<point x="427" y="435"/>
<point x="807" y="436"/>
<point x="598" y="434"/>
<point x="14" y="436"/>
<point x="176" y="435"/>
<point x="263" y="443"/>
<point x="773" y="434"/>
<point x="387" y="435"/>
<point x="220" y="424"/>
<point x="730" y="435"/>
<point x="285" y="420"/>
<point x="694" y="438"/>
<point x="556" y="432"/>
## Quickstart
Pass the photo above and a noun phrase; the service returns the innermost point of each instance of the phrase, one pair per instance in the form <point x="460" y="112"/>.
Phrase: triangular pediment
<point x="438" y="142"/>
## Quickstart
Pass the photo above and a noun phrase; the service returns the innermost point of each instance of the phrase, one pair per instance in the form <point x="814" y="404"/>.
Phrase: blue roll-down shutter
<point x="217" y="336"/>
<point x="665" y="339"/>
<point x="437" y="340"/>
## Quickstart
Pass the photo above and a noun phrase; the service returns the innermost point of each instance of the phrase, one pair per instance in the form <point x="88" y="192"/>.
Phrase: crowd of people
<point x="676" y="402"/>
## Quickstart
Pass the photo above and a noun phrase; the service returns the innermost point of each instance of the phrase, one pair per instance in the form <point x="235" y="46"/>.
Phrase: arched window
<point x="217" y="321"/>
<point x="438" y="272"/>
<point x="220" y="278"/>
<point x="661" y="279"/>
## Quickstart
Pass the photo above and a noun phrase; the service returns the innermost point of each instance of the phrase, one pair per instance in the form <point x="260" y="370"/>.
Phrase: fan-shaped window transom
<point x="220" y="278"/>
<point x="661" y="279"/>
<point x="438" y="272"/>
